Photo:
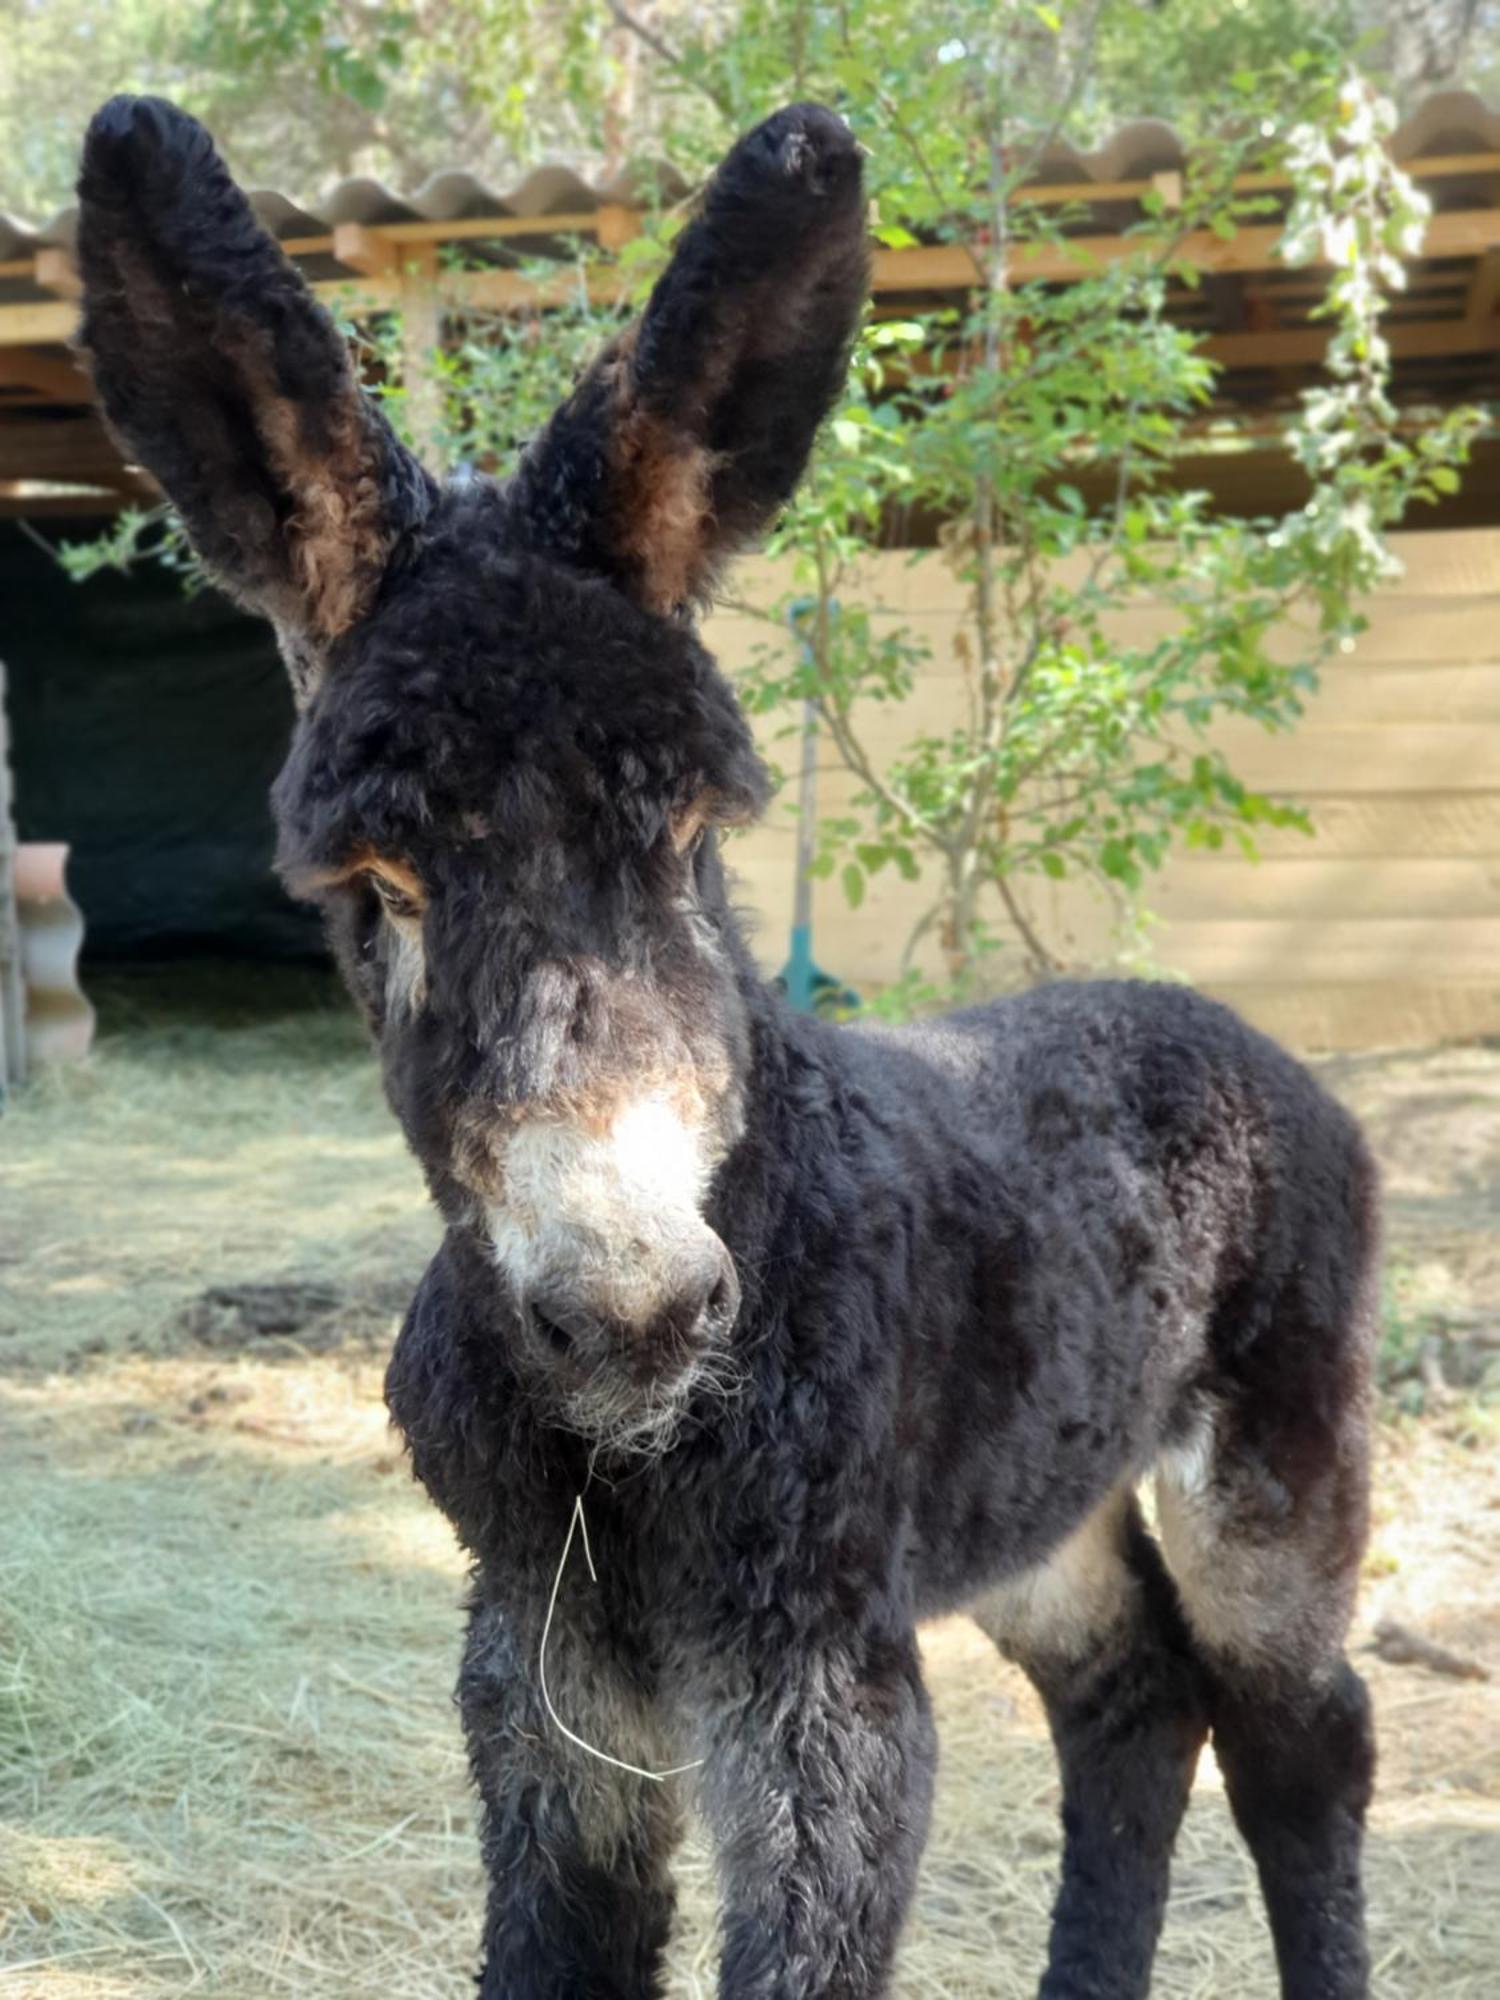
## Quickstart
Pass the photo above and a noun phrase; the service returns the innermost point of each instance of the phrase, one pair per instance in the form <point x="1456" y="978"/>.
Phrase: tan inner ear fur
<point x="338" y="540"/>
<point x="705" y="808"/>
<point x="690" y="822"/>
<point x="661" y="492"/>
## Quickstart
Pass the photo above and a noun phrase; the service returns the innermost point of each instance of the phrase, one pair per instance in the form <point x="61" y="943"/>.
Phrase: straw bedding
<point x="228" y="1624"/>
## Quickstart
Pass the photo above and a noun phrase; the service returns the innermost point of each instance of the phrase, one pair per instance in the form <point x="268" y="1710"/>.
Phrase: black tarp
<point x="147" y="726"/>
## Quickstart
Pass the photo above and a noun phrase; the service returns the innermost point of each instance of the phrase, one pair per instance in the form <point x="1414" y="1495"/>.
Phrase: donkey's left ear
<point x="225" y="378"/>
<point x="692" y="429"/>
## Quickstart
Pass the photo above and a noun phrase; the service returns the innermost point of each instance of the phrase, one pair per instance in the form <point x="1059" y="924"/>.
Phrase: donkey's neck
<point x="790" y="1079"/>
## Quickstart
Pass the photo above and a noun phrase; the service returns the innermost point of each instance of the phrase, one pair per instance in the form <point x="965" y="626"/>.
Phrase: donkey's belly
<point x="1037" y="1426"/>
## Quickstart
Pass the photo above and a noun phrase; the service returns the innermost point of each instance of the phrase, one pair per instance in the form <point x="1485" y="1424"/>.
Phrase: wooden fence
<point x="1383" y="928"/>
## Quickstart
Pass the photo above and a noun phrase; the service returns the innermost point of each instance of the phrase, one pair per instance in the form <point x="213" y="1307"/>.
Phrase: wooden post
<point x="615" y="225"/>
<point x="12" y="985"/>
<point x="54" y="271"/>
<point x="414" y="267"/>
<point x="421" y="341"/>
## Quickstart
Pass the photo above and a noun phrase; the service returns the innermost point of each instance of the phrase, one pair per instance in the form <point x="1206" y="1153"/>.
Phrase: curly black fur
<point x="991" y="1271"/>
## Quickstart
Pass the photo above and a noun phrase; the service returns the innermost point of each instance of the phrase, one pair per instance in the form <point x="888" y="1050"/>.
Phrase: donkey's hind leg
<point x="1099" y="1631"/>
<point x="1264" y="1541"/>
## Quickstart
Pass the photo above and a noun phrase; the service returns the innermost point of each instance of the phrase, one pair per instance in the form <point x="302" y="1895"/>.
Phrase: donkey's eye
<point x="400" y="897"/>
<point x="397" y="903"/>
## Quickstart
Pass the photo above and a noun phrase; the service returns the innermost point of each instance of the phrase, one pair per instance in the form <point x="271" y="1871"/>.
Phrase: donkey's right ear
<point x="223" y="376"/>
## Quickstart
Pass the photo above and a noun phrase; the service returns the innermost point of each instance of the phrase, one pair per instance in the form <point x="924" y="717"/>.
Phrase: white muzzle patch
<point x="604" y="1213"/>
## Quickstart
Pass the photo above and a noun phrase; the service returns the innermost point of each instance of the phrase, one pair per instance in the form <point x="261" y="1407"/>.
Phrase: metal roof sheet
<point x="1452" y="122"/>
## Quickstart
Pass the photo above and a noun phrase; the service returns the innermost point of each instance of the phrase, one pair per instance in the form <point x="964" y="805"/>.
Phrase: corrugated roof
<point x="451" y="195"/>
<point x="1251" y="314"/>
<point x="1450" y="123"/>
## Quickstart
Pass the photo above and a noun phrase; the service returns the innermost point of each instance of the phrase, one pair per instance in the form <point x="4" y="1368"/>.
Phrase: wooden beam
<point x="76" y="449"/>
<point x="53" y="376"/>
<point x="44" y="323"/>
<point x="360" y="249"/>
<point x="1482" y="301"/>
<point x="1056" y="194"/>
<point x="1424" y="340"/>
<point x="470" y="228"/>
<point x="934" y="267"/>
<point x="55" y="271"/>
<point x="510" y="291"/>
<point x="943" y="267"/>
<point x="616" y="226"/>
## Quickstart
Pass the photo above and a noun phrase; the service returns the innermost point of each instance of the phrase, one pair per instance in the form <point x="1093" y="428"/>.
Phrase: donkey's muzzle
<point x="696" y="1305"/>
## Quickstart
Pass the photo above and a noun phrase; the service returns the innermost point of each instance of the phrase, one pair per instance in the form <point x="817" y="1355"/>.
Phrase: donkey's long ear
<point x="225" y="378"/>
<point x="692" y="429"/>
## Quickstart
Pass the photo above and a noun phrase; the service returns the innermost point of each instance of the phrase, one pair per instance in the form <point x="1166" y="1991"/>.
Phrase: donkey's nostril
<point x="557" y="1337"/>
<point x="722" y="1301"/>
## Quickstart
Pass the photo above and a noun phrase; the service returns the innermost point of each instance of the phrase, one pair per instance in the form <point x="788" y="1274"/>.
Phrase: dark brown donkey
<point x="833" y="1328"/>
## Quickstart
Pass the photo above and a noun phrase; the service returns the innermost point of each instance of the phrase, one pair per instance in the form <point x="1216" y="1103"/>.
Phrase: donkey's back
<point x="1174" y="1282"/>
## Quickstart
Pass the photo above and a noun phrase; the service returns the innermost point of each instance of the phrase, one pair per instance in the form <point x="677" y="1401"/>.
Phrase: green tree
<point x="1079" y="755"/>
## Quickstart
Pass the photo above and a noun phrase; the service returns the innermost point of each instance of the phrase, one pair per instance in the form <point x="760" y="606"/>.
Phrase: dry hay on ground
<point x="228" y="1624"/>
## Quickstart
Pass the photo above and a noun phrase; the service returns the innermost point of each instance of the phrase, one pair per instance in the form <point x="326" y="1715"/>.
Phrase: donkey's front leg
<point x="818" y="1789"/>
<point x="576" y="1851"/>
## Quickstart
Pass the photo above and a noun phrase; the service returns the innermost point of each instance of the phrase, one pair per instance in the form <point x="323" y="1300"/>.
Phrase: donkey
<point x="812" y="1331"/>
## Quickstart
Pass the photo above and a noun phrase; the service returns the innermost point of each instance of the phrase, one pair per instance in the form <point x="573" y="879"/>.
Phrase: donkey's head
<point x="512" y="752"/>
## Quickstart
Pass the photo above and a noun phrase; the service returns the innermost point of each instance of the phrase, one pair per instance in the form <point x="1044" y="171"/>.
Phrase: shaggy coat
<point x="815" y="1331"/>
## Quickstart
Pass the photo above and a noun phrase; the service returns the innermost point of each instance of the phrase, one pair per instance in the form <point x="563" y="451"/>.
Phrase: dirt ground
<point x="228" y="1622"/>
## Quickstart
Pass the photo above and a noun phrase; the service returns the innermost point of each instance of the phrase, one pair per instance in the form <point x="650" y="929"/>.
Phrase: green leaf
<point x="853" y="879"/>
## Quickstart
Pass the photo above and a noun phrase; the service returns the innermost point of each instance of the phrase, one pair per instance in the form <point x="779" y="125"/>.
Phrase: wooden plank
<point x="22" y="502"/>
<point x="1358" y="887"/>
<point x="1445" y="562"/>
<point x="75" y="449"/>
<point x="1440" y="166"/>
<point x="1483" y="301"/>
<point x="364" y="250"/>
<point x="1312" y="761"/>
<point x="1344" y="759"/>
<point x="510" y="291"/>
<point x="54" y="324"/>
<point x="616" y="226"/>
<point x="53" y="376"/>
<point x="1420" y="340"/>
<point x="46" y="323"/>
<point x="1437" y="563"/>
<point x="1404" y="628"/>
<point x="1454" y="233"/>
<point x="1378" y="692"/>
<point x="1385" y="826"/>
<point x="55" y="271"/>
<point x="1394" y="1014"/>
<point x="1281" y="951"/>
<point x="1417" y="627"/>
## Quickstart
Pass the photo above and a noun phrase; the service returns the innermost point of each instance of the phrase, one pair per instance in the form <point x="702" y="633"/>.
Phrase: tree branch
<point x="659" y="46"/>
<point x="1036" y="951"/>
